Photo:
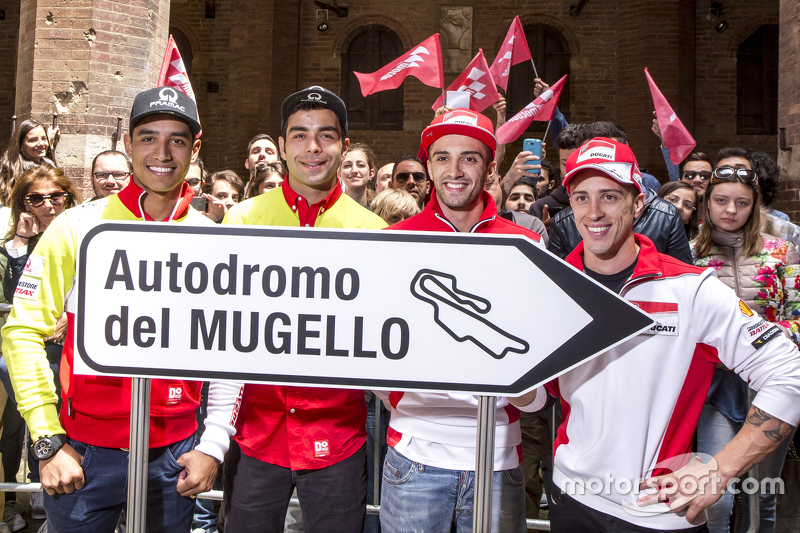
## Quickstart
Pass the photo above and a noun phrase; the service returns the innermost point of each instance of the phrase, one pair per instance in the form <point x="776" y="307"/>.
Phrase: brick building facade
<point x="247" y="55"/>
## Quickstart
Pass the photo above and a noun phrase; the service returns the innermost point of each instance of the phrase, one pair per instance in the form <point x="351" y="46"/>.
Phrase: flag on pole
<point x="476" y="81"/>
<point x="423" y="61"/>
<point x="674" y="134"/>
<point x="541" y="109"/>
<point x="173" y="73"/>
<point x="514" y="50"/>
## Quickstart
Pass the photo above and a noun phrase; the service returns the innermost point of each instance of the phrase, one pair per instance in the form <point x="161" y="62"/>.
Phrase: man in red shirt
<point x="309" y="438"/>
<point x="429" y="470"/>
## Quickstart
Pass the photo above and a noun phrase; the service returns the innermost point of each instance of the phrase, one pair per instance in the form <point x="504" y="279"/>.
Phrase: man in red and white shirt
<point x="630" y="414"/>
<point x="428" y="474"/>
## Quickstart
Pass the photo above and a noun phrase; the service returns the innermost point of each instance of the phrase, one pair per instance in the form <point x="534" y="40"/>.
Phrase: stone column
<point x="86" y="60"/>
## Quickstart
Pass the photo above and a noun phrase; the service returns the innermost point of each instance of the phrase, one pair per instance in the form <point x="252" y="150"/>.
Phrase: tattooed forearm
<point x="774" y="429"/>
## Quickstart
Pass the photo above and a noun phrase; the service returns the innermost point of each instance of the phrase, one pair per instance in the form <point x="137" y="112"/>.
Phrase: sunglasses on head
<point x="37" y="200"/>
<point x="704" y="175"/>
<point x="402" y="177"/>
<point x="726" y="173"/>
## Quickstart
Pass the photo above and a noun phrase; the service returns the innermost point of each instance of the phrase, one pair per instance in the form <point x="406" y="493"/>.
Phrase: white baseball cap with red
<point x="458" y="122"/>
<point x="612" y="158"/>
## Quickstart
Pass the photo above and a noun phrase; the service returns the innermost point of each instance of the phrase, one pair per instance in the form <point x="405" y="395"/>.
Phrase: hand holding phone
<point x="535" y="147"/>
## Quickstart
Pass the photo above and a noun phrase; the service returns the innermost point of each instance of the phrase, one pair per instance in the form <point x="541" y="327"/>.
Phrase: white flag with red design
<point x="541" y="109"/>
<point x="476" y="81"/>
<point x="514" y="50"/>
<point x="173" y="73"/>
<point x="423" y="61"/>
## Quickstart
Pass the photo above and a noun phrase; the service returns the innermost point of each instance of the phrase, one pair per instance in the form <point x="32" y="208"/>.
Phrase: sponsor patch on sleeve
<point x="34" y="266"/>
<point x="27" y="288"/>
<point x="746" y="311"/>
<point x="772" y="333"/>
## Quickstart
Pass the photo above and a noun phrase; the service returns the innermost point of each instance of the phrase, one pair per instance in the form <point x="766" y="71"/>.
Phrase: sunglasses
<point x="677" y="202"/>
<point x="726" y="173"/>
<point x="118" y="176"/>
<point x="37" y="200"/>
<point x="402" y="177"/>
<point x="704" y="175"/>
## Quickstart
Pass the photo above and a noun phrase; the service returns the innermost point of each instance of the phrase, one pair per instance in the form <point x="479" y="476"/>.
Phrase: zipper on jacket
<point x="472" y="230"/>
<point x="69" y="406"/>
<point x="485" y="220"/>
<point x="736" y="273"/>
<point x="452" y="227"/>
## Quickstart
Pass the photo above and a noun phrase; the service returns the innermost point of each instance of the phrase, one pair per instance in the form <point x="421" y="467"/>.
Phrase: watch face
<point x="43" y="448"/>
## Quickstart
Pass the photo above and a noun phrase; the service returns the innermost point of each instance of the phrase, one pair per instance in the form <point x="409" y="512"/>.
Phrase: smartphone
<point x="200" y="203"/>
<point x="535" y="146"/>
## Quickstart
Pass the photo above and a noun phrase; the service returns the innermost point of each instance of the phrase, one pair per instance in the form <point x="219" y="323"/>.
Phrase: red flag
<point x="514" y="50"/>
<point x="541" y="109"/>
<point x="674" y="134"/>
<point x="476" y="81"/>
<point x="423" y="61"/>
<point x="173" y="73"/>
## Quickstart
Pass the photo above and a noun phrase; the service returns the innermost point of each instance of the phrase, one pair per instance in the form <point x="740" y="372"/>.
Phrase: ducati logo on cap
<point x="597" y="150"/>
<point x="168" y="98"/>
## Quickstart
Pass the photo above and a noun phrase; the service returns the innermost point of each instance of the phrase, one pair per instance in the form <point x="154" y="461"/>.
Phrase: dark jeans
<point x="96" y="508"/>
<point x="257" y="494"/>
<point x="568" y="515"/>
<point x="373" y="523"/>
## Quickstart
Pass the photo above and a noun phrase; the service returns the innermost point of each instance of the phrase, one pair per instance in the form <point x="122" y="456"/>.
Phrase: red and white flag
<point x="476" y="81"/>
<point x="541" y="109"/>
<point x="674" y="134"/>
<point x="173" y="73"/>
<point x="423" y="61"/>
<point x="514" y="50"/>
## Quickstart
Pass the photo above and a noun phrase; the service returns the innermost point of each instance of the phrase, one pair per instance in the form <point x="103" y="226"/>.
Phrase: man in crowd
<point x="409" y="174"/>
<point x="659" y="220"/>
<point x="309" y="438"/>
<point x="196" y="177"/>
<point x="84" y="462"/>
<point x="111" y="171"/>
<point x="260" y="149"/>
<point x="383" y="179"/>
<point x="655" y="414"/>
<point x="430" y="465"/>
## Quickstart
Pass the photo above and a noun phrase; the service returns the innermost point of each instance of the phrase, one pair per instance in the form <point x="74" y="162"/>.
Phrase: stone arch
<point x="541" y="18"/>
<point x="747" y="29"/>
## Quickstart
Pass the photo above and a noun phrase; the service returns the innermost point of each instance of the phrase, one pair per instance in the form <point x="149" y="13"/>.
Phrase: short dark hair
<point x="733" y="151"/>
<point x="553" y="170"/>
<point x="409" y="158"/>
<point x="260" y="137"/>
<point x="225" y="175"/>
<point x="699" y="156"/>
<point x="608" y="130"/>
<point x="768" y="177"/>
<point x="199" y="163"/>
<point x="305" y="105"/>
<point x="571" y="137"/>
<point x="109" y="153"/>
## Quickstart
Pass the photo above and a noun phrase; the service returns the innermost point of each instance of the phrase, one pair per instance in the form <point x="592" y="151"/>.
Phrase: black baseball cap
<point x="164" y="100"/>
<point x="319" y="95"/>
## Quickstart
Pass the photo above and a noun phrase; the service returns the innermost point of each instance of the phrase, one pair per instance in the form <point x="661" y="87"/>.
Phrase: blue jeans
<point x="417" y="497"/>
<point x="98" y="505"/>
<point x="714" y="431"/>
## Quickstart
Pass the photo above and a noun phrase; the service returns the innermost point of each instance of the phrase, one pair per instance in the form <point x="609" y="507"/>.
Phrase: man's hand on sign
<point x="539" y="87"/>
<point x="199" y="471"/>
<point x="62" y="473"/>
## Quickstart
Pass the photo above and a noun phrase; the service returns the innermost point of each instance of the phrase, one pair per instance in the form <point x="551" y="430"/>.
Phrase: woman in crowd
<point x="358" y="167"/>
<point x="30" y="146"/>
<point x="41" y="193"/>
<point x="268" y="176"/>
<point x="394" y="205"/>
<point x="762" y="270"/>
<point x="222" y="189"/>
<point x="686" y="201"/>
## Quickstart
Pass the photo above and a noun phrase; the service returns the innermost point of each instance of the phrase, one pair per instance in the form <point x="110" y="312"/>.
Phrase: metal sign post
<point x="484" y="465"/>
<point x="138" y="455"/>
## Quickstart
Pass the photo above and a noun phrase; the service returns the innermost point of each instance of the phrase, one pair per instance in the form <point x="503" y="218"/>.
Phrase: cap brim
<point x="438" y="131"/>
<point x="194" y="126"/>
<point x="617" y="171"/>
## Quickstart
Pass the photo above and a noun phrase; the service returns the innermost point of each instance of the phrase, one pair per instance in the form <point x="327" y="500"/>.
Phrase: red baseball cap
<point x="612" y="158"/>
<point x="458" y="122"/>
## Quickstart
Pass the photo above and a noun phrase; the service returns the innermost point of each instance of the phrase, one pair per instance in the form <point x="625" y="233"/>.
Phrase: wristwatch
<point x="47" y="446"/>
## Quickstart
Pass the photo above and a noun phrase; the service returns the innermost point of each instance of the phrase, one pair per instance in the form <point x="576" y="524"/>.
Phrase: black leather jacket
<point x="660" y="222"/>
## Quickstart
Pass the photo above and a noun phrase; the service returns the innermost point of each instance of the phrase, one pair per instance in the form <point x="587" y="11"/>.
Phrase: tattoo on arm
<point x="774" y="429"/>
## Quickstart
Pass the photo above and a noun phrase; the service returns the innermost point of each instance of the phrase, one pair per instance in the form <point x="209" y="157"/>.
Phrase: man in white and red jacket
<point x="428" y="474"/>
<point x="629" y="414"/>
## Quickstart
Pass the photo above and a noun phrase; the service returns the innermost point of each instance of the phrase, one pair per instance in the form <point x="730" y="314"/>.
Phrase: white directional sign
<point x="357" y="309"/>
